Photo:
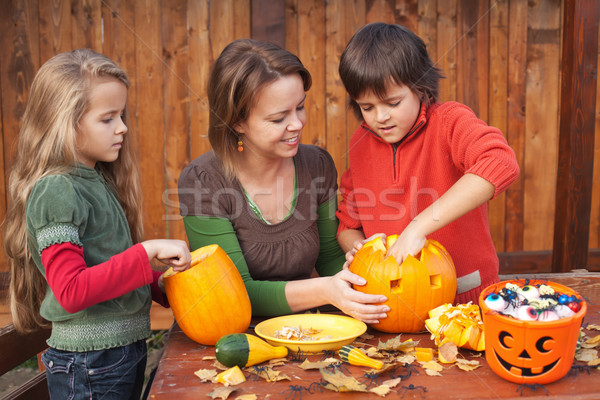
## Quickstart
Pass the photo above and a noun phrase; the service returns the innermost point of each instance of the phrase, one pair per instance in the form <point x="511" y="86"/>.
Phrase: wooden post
<point x="268" y="21"/>
<point x="576" y="140"/>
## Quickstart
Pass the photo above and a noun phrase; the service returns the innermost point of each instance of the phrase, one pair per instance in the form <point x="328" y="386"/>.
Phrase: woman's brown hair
<point x="243" y="68"/>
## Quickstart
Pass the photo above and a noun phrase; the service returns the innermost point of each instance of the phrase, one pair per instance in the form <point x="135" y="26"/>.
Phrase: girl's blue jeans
<point x="110" y="374"/>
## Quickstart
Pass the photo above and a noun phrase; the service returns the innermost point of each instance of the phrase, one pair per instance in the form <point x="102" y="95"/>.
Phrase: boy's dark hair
<point x="379" y="54"/>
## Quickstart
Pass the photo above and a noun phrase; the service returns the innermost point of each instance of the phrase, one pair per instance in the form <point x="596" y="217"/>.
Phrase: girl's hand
<point x="358" y="245"/>
<point x="407" y="243"/>
<point x="362" y="306"/>
<point x="173" y="253"/>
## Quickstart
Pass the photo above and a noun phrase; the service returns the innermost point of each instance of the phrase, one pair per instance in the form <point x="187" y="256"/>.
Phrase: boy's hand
<point x="407" y="244"/>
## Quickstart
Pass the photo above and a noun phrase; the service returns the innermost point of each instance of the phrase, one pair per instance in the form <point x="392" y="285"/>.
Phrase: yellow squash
<point x="245" y="350"/>
<point x="354" y="356"/>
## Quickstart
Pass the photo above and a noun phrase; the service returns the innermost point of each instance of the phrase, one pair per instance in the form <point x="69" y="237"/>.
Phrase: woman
<point x="266" y="199"/>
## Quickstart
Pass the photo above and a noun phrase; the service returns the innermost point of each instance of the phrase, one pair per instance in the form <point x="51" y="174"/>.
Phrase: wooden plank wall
<point x="500" y="57"/>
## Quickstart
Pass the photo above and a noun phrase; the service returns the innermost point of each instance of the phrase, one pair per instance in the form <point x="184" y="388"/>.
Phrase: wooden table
<point x="175" y="377"/>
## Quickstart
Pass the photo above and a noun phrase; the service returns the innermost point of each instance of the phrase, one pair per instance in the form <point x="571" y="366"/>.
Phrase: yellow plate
<point x="336" y="331"/>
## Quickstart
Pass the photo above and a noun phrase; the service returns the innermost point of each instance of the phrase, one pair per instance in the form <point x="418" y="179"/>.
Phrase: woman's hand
<point x="358" y="245"/>
<point x="362" y="306"/>
<point x="173" y="253"/>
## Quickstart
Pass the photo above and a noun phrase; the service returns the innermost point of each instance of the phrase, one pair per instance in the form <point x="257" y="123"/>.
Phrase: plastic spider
<point x="256" y="372"/>
<point x="295" y="390"/>
<point x="299" y="356"/>
<point x="576" y="369"/>
<point x="327" y="354"/>
<point x="317" y="385"/>
<point x="337" y="366"/>
<point x="410" y="388"/>
<point x="372" y="378"/>
<point x="532" y="386"/>
<point x="409" y="371"/>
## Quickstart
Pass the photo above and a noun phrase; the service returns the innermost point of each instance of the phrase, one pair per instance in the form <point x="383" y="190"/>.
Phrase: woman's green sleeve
<point x="267" y="297"/>
<point x="331" y="257"/>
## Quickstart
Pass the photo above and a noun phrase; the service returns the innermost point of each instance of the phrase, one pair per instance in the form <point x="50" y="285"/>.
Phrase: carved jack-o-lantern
<point x="530" y="351"/>
<point x="413" y="288"/>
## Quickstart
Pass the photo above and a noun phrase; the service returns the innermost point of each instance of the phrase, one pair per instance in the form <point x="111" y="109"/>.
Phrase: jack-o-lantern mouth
<point x="521" y="371"/>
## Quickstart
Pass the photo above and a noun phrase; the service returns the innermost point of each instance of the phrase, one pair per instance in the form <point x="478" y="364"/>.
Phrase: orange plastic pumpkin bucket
<point x="530" y="351"/>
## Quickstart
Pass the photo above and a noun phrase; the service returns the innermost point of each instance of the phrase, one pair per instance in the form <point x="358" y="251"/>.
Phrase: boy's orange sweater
<point x="387" y="185"/>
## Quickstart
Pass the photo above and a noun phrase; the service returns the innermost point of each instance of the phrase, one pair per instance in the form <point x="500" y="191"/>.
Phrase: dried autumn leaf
<point x="467" y="365"/>
<point x="447" y="352"/>
<point x="251" y="396"/>
<point x="220" y="366"/>
<point x="366" y="336"/>
<point x="433" y="365"/>
<point x="595" y="340"/>
<point x="593" y="327"/>
<point x="432" y="372"/>
<point x="318" y="364"/>
<point x="396" y="344"/>
<point x="406" y="359"/>
<point x="206" y="374"/>
<point x="222" y="392"/>
<point x="269" y="374"/>
<point x="462" y="361"/>
<point x="342" y="382"/>
<point x="586" y="355"/>
<point x="381" y="390"/>
<point x="373" y="352"/>
<point x="392" y="382"/>
<point x="594" y="363"/>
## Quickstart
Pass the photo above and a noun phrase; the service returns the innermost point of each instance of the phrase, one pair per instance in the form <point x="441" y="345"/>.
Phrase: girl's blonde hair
<point x="58" y="98"/>
<point x="243" y="68"/>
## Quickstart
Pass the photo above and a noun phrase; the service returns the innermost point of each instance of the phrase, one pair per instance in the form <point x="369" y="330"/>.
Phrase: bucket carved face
<point x="413" y="288"/>
<point x="527" y="355"/>
<point x="530" y="351"/>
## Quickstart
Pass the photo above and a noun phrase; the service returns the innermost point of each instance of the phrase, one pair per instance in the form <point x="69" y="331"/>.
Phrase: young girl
<point x="417" y="167"/>
<point x="266" y="199"/>
<point x="70" y="231"/>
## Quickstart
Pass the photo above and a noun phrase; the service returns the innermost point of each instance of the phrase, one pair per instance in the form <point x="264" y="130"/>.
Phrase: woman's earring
<point x="240" y="145"/>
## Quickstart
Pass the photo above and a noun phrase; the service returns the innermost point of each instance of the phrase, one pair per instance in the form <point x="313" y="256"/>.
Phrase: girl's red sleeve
<point x="77" y="287"/>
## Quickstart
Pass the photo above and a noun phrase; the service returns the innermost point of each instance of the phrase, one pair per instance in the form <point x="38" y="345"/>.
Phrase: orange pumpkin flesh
<point x="209" y="300"/>
<point x="412" y="289"/>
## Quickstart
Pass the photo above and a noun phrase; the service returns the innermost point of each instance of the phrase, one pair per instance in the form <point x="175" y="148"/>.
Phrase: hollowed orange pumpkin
<point x="412" y="289"/>
<point x="209" y="300"/>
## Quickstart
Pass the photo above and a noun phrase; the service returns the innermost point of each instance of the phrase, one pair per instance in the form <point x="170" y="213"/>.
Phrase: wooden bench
<point x="16" y="349"/>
